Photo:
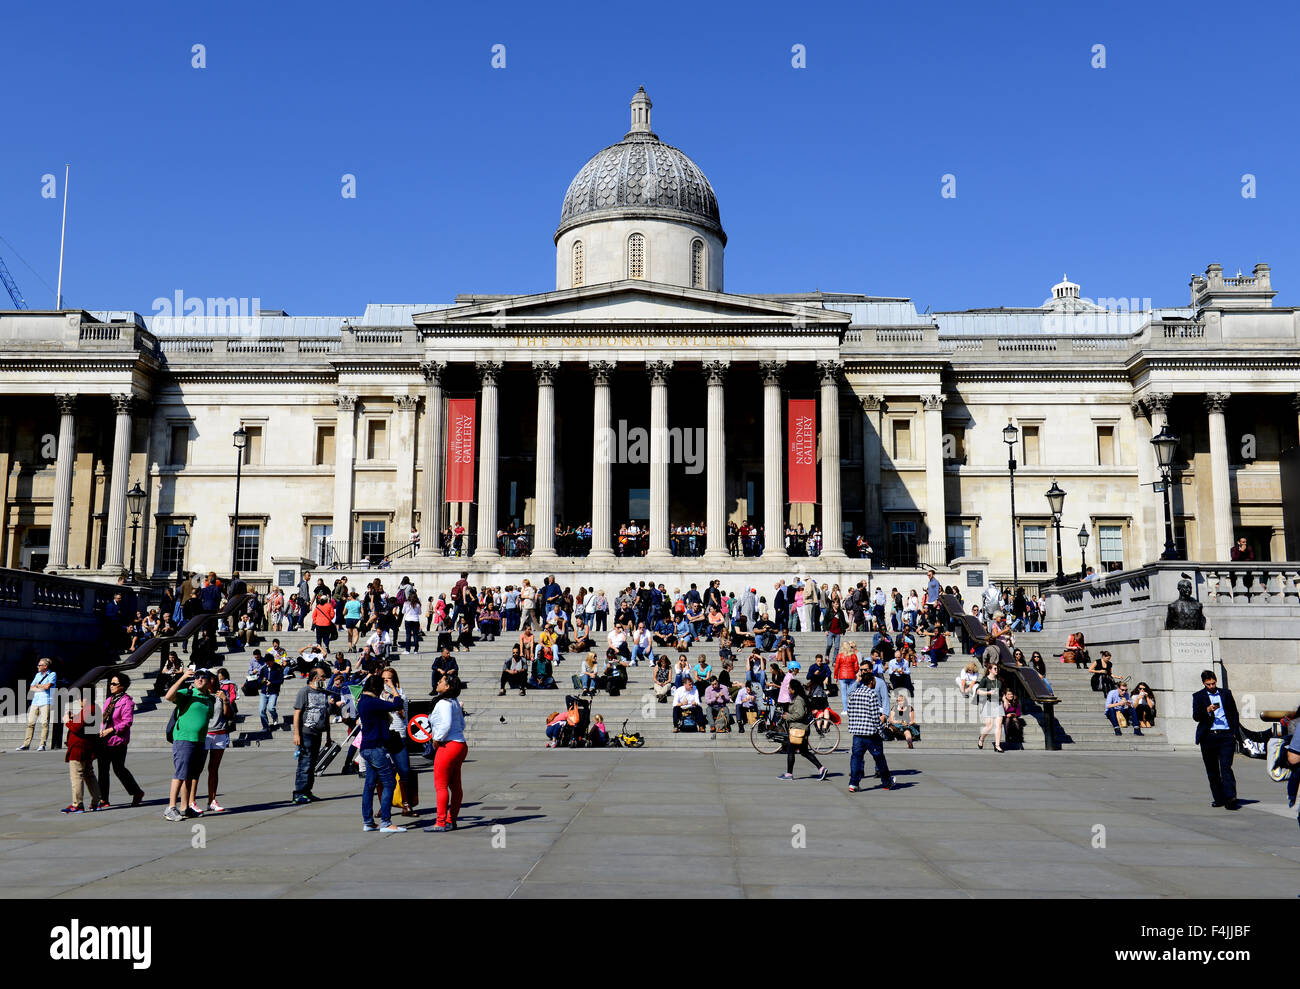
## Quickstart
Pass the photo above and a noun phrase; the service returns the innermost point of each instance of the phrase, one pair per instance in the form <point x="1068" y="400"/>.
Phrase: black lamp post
<point x="135" y="503"/>
<point x="1083" y="552"/>
<point x="1056" y="501"/>
<point x="1166" y="444"/>
<point x="182" y="537"/>
<point x="241" y="441"/>
<point x="1010" y="436"/>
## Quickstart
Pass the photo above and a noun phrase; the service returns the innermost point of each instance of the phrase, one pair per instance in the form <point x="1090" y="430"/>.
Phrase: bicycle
<point x="769" y="733"/>
<point x="623" y="739"/>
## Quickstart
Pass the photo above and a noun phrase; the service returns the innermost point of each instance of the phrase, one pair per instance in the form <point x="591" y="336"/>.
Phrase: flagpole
<point x="58" y="301"/>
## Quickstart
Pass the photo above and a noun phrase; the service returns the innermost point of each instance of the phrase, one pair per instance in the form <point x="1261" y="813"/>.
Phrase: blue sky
<point x="225" y="181"/>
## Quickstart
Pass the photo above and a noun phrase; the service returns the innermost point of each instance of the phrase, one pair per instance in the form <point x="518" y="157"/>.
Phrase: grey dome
<point x="641" y="176"/>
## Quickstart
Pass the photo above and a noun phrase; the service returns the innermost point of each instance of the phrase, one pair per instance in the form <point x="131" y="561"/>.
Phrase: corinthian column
<point x="431" y="513"/>
<point x="405" y="446"/>
<point x="832" y="529"/>
<point x="773" y="466"/>
<point x="715" y="450"/>
<point x="936" y="520"/>
<point x="115" y="548"/>
<point x="63" y="482"/>
<point x="1220" y="487"/>
<point x="602" y="522"/>
<point x="659" y="371"/>
<point x="487" y="461"/>
<point x="544" y="485"/>
<point x="345" y="458"/>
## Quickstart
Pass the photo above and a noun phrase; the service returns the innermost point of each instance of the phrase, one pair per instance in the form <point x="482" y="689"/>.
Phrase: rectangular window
<point x="638" y="503"/>
<point x="248" y="545"/>
<point x="1110" y="539"/>
<point x="373" y="540"/>
<point x="1106" y="446"/>
<point x="902" y="439"/>
<point x="954" y="443"/>
<point x="903" y="538"/>
<point x="253" y="449"/>
<point x="180" y="445"/>
<point x="169" y="551"/>
<point x="377" y="439"/>
<point x="959" y="540"/>
<point x="324" y="445"/>
<point x="1030" y="435"/>
<point x="320" y="536"/>
<point x="1035" y="546"/>
<point x="1180" y="538"/>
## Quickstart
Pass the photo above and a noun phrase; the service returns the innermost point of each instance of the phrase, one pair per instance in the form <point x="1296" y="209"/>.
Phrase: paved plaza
<point x="649" y="823"/>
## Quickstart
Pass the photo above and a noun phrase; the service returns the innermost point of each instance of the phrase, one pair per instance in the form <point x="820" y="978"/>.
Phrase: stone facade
<point x="347" y="417"/>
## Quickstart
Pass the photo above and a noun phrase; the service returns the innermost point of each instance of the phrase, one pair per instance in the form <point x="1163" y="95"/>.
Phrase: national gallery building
<point x="640" y="390"/>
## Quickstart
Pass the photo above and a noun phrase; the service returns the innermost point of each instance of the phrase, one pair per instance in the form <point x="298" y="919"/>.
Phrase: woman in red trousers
<point x="449" y="751"/>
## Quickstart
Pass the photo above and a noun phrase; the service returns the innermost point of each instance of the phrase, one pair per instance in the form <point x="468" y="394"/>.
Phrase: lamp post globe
<point x="1083" y="551"/>
<point x="135" y="499"/>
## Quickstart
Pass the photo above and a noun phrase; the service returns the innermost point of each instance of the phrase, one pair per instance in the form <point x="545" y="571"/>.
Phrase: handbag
<point x="798" y="734"/>
<point x="171" y="724"/>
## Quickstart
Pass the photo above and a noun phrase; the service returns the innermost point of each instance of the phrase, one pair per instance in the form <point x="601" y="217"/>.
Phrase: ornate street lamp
<point x="1166" y="444"/>
<point x="182" y="537"/>
<point x="1011" y="436"/>
<point x="1056" y="502"/>
<point x="135" y="499"/>
<point x="1083" y="552"/>
<point x="241" y="441"/>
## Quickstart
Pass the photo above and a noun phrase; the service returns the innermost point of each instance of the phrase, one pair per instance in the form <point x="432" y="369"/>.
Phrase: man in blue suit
<point x="1215" y="713"/>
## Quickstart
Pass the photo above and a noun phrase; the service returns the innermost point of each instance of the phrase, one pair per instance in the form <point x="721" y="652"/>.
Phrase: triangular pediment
<point x="631" y="302"/>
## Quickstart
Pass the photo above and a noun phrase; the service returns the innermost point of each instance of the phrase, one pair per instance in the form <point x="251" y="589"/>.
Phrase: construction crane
<point x="10" y="287"/>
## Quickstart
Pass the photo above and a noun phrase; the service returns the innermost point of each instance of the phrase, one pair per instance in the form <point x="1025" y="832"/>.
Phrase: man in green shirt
<point x="194" y="708"/>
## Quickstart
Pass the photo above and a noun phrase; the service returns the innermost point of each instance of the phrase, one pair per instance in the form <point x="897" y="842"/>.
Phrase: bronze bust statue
<point x="1185" y="614"/>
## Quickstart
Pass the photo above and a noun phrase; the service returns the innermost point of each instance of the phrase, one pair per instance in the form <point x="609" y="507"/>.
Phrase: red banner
<point x="460" y="449"/>
<point x="801" y="451"/>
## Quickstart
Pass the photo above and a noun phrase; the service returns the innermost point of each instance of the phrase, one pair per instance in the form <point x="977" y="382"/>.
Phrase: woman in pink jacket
<point x="114" y="737"/>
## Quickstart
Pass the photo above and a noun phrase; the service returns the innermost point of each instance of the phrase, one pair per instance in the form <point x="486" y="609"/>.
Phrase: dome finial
<point x="640" y="113"/>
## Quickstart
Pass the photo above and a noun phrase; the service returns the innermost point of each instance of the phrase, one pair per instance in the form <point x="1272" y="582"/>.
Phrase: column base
<point x="602" y="555"/>
<point x="716" y="556"/>
<point x="545" y="554"/>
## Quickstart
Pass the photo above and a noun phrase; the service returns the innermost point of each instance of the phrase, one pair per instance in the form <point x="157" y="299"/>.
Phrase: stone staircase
<point x="947" y="722"/>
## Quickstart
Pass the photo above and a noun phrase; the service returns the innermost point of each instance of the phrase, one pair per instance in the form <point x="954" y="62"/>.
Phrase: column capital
<point x="1216" y="401"/>
<point x="829" y="371"/>
<point x="67" y="404"/>
<point x="1157" y="402"/>
<point x="123" y="404"/>
<point x="545" y="371"/>
<point x="934" y="403"/>
<point x="772" y="371"/>
<point x="1138" y="410"/>
<point x="872" y="403"/>
<point x="658" y="371"/>
<point x="715" y="372"/>
<point x="407" y="403"/>
<point x="345" y="403"/>
<point x="488" y="372"/>
<point x="433" y="371"/>
<point x="602" y="372"/>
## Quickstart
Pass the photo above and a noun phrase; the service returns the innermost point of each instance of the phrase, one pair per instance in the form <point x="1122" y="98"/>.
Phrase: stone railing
<point x="1252" y="583"/>
<point x="1216" y="585"/>
<point x="46" y="592"/>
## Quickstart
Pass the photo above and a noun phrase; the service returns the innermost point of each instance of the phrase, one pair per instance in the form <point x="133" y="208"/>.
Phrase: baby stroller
<point x="574" y="734"/>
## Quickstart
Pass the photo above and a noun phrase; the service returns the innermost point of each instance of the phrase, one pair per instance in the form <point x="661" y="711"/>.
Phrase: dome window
<point x="697" y="264"/>
<point x="636" y="256"/>
<point x="578" y="266"/>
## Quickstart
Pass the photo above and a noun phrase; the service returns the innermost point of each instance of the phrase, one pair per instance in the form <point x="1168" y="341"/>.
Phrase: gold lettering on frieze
<point x="632" y="340"/>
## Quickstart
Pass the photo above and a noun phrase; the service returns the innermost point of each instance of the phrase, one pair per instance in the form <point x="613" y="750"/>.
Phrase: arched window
<point x="697" y="264"/>
<point x="636" y="256"/>
<point x="579" y="269"/>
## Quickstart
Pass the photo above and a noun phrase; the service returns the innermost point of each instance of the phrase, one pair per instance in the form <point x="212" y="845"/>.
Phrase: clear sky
<point x="226" y="180"/>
